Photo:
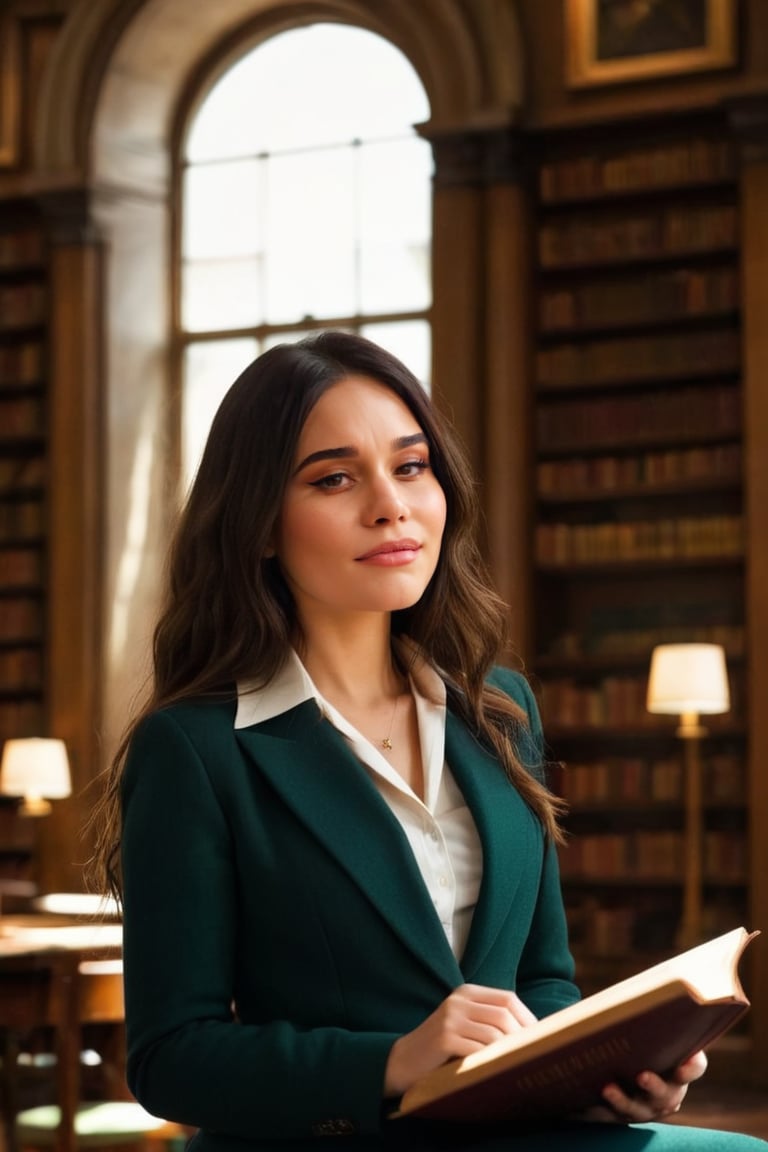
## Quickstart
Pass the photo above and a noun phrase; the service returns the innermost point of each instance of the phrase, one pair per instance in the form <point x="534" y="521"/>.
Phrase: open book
<point x="654" y="1020"/>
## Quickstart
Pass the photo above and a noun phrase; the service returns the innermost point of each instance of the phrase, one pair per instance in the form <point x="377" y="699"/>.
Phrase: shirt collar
<point x="293" y="686"/>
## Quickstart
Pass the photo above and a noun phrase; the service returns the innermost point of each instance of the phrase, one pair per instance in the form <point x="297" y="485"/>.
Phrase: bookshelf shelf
<point x="553" y="334"/>
<point x="601" y="267"/>
<point x="609" y="734"/>
<point x="23" y="500"/>
<point x="636" y="195"/>
<point x="691" y="487"/>
<point x="639" y="529"/>
<point x="629" y="658"/>
<point x="632" y="568"/>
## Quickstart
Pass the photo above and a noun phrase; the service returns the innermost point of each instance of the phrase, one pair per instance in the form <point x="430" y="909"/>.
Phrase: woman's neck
<point x="352" y="662"/>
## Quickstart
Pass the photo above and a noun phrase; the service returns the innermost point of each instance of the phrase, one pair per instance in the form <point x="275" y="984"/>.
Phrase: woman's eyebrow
<point x="345" y="451"/>
<point x="341" y="453"/>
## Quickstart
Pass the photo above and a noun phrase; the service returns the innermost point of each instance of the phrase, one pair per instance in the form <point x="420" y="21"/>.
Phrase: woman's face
<point x="363" y="515"/>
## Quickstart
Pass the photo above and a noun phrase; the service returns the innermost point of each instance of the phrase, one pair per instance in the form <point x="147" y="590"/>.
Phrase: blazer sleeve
<point x="545" y="977"/>
<point x="189" y="1060"/>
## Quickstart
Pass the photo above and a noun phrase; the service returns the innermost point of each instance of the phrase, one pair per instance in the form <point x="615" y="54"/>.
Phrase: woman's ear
<point x="269" y="552"/>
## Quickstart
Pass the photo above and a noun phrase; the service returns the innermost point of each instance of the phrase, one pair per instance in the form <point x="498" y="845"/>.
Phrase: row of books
<point x="682" y="412"/>
<point x="653" y="297"/>
<point x="620" y="930"/>
<point x="21" y="249"/>
<point x="21" y="364"/>
<point x="21" y="618"/>
<point x="669" y="539"/>
<point x="20" y="566"/>
<point x="20" y="472"/>
<point x="692" y="161"/>
<point x="21" y="416"/>
<point x="21" y="519"/>
<point x="21" y="668"/>
<point x="652" y="855"/>
<point x="634" y="637"/>
<point x="662" y="357"/>
<point x="644" y="235"/>
<point x="20" y="718"/>
<point x="614" y="701"/>
<point x="636" y="779"/>
<point x="605" y="474"/>
<point x="22" y="305"/>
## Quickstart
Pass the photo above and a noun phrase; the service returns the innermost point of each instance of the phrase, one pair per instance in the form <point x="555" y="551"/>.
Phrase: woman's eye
<point x="333" y="480"/>
<point x="413" y="467"/>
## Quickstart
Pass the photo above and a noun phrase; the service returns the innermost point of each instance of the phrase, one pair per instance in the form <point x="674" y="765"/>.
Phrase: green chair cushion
<point x="110" y="1122"/>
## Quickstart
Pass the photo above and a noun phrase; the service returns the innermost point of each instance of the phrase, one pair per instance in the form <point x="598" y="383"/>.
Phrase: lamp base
<point x="35" y="806"/>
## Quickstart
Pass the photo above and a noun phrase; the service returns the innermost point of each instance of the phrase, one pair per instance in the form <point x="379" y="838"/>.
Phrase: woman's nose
<point x="387" y="502"/>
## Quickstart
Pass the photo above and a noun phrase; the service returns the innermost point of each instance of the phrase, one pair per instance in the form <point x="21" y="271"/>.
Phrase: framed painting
<point x="615" y="41"/>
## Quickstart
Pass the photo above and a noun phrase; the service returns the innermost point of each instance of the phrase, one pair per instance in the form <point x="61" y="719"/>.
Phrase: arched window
<point x="306" y="203"/>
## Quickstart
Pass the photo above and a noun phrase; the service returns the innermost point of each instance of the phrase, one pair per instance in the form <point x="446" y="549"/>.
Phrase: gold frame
<point x="585" y="70"/>
<point x="10" y="81"/>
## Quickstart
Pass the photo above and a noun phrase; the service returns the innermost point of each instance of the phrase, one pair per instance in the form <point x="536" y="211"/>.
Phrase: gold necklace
<point x="386" y="743"/>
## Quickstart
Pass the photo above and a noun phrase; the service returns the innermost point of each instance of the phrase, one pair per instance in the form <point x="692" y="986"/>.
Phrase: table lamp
<point x="688" y="680"/>
<point x="37" y="770"/>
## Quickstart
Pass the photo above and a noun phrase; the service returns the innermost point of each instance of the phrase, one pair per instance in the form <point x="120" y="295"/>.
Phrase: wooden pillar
<point x="509" y="429"/>
<point x="750" y="121"/>
<point x="75" y="531"/>
<point x="481" y="341"/>
<point x="458" y="276"/>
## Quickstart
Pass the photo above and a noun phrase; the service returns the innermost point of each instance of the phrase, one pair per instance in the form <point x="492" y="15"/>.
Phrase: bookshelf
<point x="23" y="489"/>
<point x="639" y="536"/>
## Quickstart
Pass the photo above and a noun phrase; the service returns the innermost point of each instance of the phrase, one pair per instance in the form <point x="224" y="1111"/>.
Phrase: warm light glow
<point x="688" y="678"/>
<point x="36" y="769"/>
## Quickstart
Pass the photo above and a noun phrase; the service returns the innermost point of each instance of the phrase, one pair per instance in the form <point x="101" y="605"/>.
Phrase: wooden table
<point x="40" y="985"/>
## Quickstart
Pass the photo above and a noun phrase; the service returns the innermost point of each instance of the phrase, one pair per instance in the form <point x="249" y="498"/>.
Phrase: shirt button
<point x="434" y="836"/>
<point x="443" y="881"/>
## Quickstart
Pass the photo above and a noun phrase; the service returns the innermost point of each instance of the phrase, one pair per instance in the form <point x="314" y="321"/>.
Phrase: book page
<point x="709" y="969"/>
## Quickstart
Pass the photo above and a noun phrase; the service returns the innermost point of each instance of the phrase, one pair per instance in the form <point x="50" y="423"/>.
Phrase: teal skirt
<point x="559" y="1138"/>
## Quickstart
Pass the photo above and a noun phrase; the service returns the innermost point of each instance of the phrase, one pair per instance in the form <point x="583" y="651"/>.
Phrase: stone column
<point x="482" y="339"/>
<point x="75" y="503"/>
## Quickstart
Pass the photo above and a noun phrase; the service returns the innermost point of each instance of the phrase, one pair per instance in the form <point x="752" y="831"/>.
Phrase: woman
<point x="328" y="827"/>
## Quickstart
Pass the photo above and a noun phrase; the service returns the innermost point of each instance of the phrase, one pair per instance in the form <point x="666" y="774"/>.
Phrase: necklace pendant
<point x="386" y="744"/>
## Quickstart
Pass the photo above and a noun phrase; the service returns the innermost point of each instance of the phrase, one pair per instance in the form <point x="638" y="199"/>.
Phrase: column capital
<point x="68" y="213"/>
<point x="478" y="157"/>
<point x="748" y="118"/>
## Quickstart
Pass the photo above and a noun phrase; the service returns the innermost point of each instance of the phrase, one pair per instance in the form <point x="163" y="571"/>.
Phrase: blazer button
<point x="338" y="1127"/>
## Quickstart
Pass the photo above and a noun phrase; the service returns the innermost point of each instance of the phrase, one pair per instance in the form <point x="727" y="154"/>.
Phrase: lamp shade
<point x="687" y="678"/>
<point x="35" y="769"/>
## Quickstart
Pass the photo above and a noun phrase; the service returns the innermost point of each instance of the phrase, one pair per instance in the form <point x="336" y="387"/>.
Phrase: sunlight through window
<point x="306" y="204"/>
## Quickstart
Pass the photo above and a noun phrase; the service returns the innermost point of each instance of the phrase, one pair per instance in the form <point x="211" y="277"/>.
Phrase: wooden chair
<point x="86" y="999"/>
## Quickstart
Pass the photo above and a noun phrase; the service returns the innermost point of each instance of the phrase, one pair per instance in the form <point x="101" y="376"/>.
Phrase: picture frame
<point x="620" y="41"/>
<point x="9" y="92"/>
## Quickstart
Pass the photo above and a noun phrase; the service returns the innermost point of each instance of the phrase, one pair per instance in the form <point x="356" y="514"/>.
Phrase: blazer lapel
<point x="310" y="765"/>
<point x="507" y="831"/>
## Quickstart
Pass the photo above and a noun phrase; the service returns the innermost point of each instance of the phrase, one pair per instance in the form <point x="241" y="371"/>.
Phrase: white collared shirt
<point x="440" y="829"/>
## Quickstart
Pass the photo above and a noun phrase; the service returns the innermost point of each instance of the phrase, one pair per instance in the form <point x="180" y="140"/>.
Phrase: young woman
<point x="329" y="827"/>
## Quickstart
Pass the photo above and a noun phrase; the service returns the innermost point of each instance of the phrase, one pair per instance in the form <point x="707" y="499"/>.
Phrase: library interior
<point x="591" y="236"/>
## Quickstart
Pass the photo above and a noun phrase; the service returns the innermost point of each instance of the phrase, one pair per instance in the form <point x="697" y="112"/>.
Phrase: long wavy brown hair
<point x="228" y="613"/>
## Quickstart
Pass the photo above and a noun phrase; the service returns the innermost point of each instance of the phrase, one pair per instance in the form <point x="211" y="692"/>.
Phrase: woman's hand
<point x="657" y="1097"/>
<point x="471" y="1017"/>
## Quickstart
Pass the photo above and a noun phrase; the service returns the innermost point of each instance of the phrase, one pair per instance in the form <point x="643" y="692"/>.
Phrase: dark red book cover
<point x="653" y="1021"/>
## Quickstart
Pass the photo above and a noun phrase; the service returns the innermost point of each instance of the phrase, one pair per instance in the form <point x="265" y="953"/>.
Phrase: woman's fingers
<point x="485" y="1014"/>
<point x="471" y="1017"/>
<point x="658" y="1096"/>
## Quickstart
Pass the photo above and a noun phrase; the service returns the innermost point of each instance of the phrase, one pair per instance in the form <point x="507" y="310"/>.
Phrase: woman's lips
<point x="391" y="553"/>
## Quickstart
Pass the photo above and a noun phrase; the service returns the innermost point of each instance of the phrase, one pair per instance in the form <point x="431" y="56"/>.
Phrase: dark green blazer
<point x="279" y="936"/>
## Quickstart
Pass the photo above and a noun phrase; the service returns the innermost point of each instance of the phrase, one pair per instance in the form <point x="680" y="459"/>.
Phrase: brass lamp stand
<point x="687" y="680"/>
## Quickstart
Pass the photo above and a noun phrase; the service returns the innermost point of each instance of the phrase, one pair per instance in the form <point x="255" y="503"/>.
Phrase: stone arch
<point x="120" y="75"/>
<point x="108" y="104"/>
